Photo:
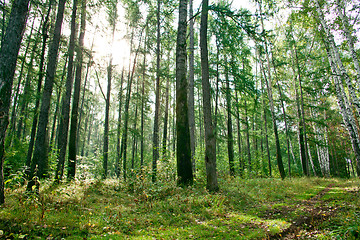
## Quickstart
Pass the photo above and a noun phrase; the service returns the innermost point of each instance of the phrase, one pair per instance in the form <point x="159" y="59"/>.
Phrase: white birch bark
<point x="350" y="39"/>
<point x="335" y="55"/>
<point x="338" y="72"/>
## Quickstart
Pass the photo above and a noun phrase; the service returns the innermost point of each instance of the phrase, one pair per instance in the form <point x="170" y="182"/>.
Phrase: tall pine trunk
<point x="271" y="102"/>
<point x="230" y="139"/>
<point x="118" y="131"/>
<point x="65" y="108"/>
<point x="210" y="140"/>
<point x="39" y="165"/>
<point x="183" y="149"/>
<point x="8" y="56"/>
<point x="157" y="98"/>
<point x="191" y="97"/>
<point x="44" y="33"/>
<point x="76" y="97"/>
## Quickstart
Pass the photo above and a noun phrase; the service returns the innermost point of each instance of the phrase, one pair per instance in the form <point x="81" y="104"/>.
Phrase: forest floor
<point x="299" y="208"/>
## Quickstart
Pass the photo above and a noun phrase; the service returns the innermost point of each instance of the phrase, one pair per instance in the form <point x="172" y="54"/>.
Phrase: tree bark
<point x="210" y="140"/>
<point x="44" y="33"/>
<point x="230" y="139"/>
<point x="76" y="97"/>
<point x="241" y="163"/>
<point x="183" y="149"/>
<point x="191" y="97"/>
<point x="118" y="150"/>
<point x="157" y="98"/>
<point x="65" y="108"/>
<point x="350" y="39"/>
<point x="8" y="56"/>
<point x="271" y="102"/>
<point x="40" y="158"/>
<point x="166" y="117"/>
<point x="248" y="148"/>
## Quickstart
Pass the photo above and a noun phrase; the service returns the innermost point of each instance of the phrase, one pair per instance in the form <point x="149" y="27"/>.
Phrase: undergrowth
<point x="139" y="209"/>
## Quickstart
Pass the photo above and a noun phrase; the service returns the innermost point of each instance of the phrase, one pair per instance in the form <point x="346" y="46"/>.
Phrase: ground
<point x="268" y="208"/>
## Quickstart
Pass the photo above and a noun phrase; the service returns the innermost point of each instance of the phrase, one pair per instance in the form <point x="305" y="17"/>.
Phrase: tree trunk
<point x="350" y="39"/>
<point x="27" y="89"/>
<point x="247" y="137"/>
<point x="241" y="163"/>
<point x="76" y="97"/>
<point x="143" y="108"/>
<point x="17" y="93"/>
<point x="65" y="108"/>
<point x="266" y="129"/>
<point x="183" y="149"/>
<point x="166" y="117"/>
<point x="339" y="72"/>
<point x="271" y="102"/>
<point x="210" y="140"/>
<point x="157" y="98"/>
<point x="123" y="149"/>
<point x="191" y="97"/>
<point x="8" y="56"/>
<point x="40" y="158"/>
<point x="44" y="32"/>
<point x="285" y="122"/>
<point x="118" y="156"/>
<point x="230" y="139"/>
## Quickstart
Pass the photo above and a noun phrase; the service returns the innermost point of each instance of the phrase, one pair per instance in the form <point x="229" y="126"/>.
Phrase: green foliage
<point x="139" y="209"/>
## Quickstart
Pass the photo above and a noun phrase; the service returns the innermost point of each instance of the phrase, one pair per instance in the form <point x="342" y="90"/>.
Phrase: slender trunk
<point x="285" y="121"/>
<point x="65" y="109"/>
<point x="142" y="108"/>
<point x="45" y="29"/>
<point x="81" y="109"/>
<point x="54" y="132"/>
<point x="339" y="72"/>
<point x="76" y="97"/>
<point x="166" y="117"/>
<point x="17" y="93"/>
<point x="191" y="97"/>
<point x="247" y="137"/>
<point x="27" y="89"/>
<point x="157" y="99"/>
<point x="117" y="162"/>
<point x="271" y="102"/>
<point x="183" y="149"/>
<point x="241" y="163"/>
<point x="8" y="56"/>
<point x="266" y="129"/>
<point x="134" y="136"/>
<point x="230" y="139"/>
<point x="302" y="111"/>
<point x="210" y="138"/>
<point x="123" y="149"/>
<point x="350" y="39"/>
<point x="40" y="157"/>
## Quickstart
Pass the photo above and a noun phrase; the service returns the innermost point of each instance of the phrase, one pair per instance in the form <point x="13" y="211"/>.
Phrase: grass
<point x="243" y="209"/>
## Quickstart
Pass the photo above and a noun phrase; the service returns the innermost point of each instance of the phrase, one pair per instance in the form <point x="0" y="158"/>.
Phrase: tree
<point x="183" y="150"/>
<point x="112" y="10"/>
<point x="210" y="141"/>
<point x="8" y="56"/>
<point x="65" y="109"/>
<point x="191" y="97"/>
<point x="271" y="101"/>
<point x="76" y="97"/>
<point x="39" y="165"/>
<point x="157" y="96"/>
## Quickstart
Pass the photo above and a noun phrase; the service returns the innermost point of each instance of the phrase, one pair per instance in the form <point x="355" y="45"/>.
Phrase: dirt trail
<point x="314" y="213"/>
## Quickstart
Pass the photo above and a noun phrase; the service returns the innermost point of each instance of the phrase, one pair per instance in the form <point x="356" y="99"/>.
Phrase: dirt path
<point x="314" y="212"/>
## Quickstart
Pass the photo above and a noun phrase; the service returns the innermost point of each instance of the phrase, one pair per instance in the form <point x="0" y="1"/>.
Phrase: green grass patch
<point x="242" y="209"/>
